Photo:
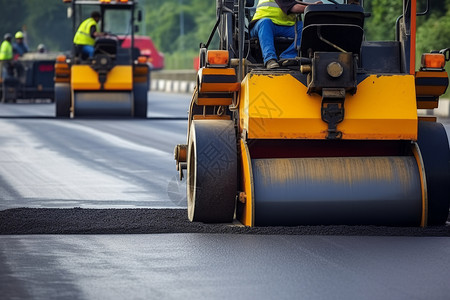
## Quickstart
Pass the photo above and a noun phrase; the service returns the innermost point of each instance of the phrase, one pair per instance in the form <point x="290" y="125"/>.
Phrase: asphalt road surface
<point x="72" y="191"/>
<point x="91" y="163"/>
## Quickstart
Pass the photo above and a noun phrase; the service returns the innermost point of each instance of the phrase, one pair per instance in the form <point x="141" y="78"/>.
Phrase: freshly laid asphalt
<point x="147" y="221"/>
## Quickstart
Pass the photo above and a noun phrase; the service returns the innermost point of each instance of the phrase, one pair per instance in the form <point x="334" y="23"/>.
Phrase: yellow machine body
<point x="332" y="137"/>
<point x="278" y="107"/>
<point x="83" y="77"/>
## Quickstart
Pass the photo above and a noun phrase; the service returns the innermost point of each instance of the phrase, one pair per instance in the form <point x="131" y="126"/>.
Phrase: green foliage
<point x="12" y="16"/>
<point x="48" y="24"/>
<point x="178" y="26"/>
<point x="180" y="60"/>
<point x="432" y="35"/>
<point x="381" y="25"/>
<point x="45" y="24"/>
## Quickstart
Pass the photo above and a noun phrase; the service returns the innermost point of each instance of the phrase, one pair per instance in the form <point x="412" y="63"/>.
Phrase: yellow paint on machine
<point x="423" y="184"/>
<point x="118" y="78"/>
<point x="278" y="107"/>
<point x="247" y="212"/>
<point x="213" y="101"/>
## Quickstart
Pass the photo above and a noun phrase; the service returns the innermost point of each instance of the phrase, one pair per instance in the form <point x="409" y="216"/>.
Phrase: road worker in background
<point x="6" y="55"/>
<point x="19" y="47"/>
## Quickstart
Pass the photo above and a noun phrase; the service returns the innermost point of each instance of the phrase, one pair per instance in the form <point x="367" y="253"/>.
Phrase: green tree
<point x="48" y="24"/>
<point x="434" y="32"/>
<point x="179" y="41"/>
<point x="12" y="16"/>
<point x="381" y="25"/>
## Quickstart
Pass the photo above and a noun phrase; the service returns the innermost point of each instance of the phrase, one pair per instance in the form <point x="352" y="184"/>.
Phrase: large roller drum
<point x="337" y="190"/>
<point x="211" y="171"/>
<point x="103" y="103"/>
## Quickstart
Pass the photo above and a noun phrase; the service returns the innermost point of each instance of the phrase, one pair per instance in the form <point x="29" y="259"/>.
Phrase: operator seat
<point x="106" y="45"/>
<point x="330" y="27"/>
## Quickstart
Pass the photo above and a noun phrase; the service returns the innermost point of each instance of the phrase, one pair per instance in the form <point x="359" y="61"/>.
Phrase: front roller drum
<point x="337" y="191"/>
<point x="103" y="103"/>
<point x="211" y="171"/>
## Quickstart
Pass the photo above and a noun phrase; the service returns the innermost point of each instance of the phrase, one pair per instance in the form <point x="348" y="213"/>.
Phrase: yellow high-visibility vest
<point x="6" y="51"/>
<point x="83" y="35"/>
<point x="270" y="9"/>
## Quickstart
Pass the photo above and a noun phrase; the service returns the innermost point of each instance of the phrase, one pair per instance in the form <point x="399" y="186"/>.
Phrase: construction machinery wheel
<point x="211" y="171"/>
<point x="10" y="89"/>
<point x="62" y="100"/>
<point x="140" y="91"/>
<point x="434" y="148"/>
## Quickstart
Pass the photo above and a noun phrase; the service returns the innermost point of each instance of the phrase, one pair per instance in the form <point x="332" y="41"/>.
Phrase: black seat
<point x="332" y="28"/>
<point x="106" y="45"/>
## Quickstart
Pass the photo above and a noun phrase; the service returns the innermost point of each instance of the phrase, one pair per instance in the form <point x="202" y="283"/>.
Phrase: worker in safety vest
<point x="84" y="38"/>
<point x="19" y="47"/>
<point x="276" y="18"/>
<point x="6" y="55"/>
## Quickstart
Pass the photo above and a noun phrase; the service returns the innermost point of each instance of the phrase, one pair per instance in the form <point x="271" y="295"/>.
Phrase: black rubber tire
<point x="140" y="93"/>
<point x="434" y="147"/>
<point x="10" y="89"/>
<point x="211" y="171"/>
<point x="62" y="100"/>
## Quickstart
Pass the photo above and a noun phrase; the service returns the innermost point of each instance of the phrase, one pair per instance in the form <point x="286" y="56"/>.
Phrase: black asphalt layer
<point x="148" y="221"/>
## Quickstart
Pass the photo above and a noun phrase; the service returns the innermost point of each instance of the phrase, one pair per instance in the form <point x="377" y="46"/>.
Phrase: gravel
<point x="147" y="221"/>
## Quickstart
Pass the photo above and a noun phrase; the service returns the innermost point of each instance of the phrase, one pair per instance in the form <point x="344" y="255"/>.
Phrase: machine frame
<point x="335" y="139"/>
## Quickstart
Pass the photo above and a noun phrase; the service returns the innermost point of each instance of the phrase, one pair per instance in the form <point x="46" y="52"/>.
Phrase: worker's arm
<point x="94" y="32"/>
<point x="297" y="9"/>
<point x="293" y="7"/>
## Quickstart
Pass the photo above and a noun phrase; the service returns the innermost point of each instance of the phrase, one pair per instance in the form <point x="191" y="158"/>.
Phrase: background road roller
<point x="115" y="81"/>
<point x="334" y="140"/>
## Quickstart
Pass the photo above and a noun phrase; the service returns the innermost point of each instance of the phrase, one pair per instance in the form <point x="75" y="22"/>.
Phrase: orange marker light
<point x="105" y="1"/>
<point x="142" y="59"/>
<point x="433" y="61"/>
<point x="217" y="57"/>
<point x="61" y="58"/>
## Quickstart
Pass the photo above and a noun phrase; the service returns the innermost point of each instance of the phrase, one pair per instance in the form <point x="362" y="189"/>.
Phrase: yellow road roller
<point x="334" y="138"/>
<point x="113" y="81"/>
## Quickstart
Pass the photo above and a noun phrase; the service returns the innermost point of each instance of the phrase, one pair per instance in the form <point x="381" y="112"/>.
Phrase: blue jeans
<point x="87" y="50"/>
<point x="265" y="30"/>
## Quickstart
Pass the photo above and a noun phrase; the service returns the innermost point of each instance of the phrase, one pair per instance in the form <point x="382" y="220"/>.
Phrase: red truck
<point x="147" y="48"/>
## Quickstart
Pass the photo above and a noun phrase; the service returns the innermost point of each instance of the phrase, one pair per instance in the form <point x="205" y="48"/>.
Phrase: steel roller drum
<point x="337" y="190"/>
<point x="103" y="104"/>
